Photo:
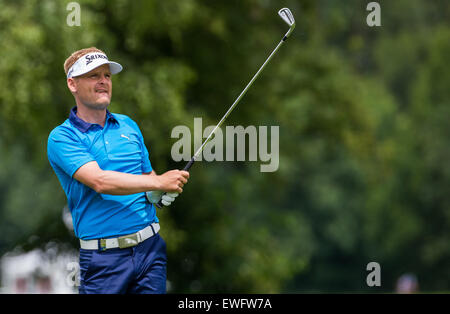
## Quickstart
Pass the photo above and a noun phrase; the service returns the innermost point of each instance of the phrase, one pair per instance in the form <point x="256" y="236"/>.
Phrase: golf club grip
<point x="186" y="168"/>
<point x="189" y="164"/>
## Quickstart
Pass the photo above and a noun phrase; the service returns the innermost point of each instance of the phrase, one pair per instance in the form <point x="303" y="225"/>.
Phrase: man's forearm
<point x="119" y="183"/>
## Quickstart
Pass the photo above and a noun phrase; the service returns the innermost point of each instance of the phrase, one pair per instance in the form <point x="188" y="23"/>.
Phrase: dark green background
<point x="363" y="114"/>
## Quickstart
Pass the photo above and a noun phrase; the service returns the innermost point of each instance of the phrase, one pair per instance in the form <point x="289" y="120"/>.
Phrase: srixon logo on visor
<point x="93" y="57"/>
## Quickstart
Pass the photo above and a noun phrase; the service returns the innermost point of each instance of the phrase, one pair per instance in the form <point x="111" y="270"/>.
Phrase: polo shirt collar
<point x="84" y="126"/>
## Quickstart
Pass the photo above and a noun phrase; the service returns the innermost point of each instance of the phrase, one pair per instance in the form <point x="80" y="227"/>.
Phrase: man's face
<point x="93" y="89"/>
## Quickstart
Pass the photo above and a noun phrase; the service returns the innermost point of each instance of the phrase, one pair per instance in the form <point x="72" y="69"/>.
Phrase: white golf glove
<point x="155" y="196"/>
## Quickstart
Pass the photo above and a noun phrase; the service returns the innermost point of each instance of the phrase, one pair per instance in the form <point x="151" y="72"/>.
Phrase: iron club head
<point x="287" y="16"/>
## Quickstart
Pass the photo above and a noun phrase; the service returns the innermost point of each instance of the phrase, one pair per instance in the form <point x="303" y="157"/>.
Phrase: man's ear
<point x="71" y="84"/>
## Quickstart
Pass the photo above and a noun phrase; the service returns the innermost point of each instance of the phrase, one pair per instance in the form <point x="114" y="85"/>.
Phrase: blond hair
<point x="77" y="55"/>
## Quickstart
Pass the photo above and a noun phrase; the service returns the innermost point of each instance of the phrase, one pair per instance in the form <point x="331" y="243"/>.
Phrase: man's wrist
<point x="155" y="183"/>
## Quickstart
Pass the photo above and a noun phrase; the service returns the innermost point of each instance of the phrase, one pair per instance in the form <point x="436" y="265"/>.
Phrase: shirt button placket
<point x="107" y="144"/>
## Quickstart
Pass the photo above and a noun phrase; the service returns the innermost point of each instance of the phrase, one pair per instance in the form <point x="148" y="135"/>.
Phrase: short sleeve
<point x="66" y="151"/>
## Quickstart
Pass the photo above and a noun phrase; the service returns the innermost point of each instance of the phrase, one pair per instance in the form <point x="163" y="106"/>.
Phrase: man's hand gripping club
<point x="172" y="183"/>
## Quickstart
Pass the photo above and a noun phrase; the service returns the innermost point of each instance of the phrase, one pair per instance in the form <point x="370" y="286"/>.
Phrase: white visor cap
<point x="90" y="61"/>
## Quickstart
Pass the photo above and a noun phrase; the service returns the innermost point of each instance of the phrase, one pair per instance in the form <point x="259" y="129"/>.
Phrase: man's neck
<point x="95" y="116"/>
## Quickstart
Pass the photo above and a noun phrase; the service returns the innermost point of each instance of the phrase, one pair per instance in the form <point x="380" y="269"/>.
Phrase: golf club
<point x="287" y="16"/>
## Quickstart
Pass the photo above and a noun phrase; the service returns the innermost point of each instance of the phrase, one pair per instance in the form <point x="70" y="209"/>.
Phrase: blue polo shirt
<point x="118" y="146"/>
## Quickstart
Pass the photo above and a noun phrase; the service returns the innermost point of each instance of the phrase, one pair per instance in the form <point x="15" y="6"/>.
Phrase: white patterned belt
<point x="123" y="241"/>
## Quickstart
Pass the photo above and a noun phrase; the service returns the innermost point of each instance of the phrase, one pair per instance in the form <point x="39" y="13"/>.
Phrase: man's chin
<point x="98" y="105"/>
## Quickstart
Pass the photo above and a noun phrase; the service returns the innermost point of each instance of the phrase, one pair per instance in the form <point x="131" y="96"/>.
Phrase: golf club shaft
<point x="199" y="151"/>
<point x="197" y="154"/>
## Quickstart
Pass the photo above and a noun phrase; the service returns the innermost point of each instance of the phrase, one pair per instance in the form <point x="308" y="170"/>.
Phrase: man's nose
<point x="103" y="79"/>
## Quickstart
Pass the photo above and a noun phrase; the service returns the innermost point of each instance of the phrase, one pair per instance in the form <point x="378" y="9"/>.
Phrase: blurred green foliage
<point x="364" y="134"/>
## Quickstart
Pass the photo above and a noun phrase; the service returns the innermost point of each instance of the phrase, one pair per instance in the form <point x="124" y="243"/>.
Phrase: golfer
<point x="103" y="166"/>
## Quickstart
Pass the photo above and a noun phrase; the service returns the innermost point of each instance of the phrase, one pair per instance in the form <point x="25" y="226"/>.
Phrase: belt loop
<point x="151" y="226"/>
<point x="139" y="236"/>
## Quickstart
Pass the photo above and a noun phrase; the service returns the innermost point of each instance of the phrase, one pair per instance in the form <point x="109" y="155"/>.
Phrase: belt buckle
<point x="102" y="244"/>
<point x="128" y="240"/>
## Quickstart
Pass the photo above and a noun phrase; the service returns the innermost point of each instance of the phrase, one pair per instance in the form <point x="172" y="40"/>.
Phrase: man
<point x="103" y="166"/>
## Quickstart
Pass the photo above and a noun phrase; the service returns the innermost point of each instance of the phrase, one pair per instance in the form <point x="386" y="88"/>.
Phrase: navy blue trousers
<point x="138" y="269"/>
